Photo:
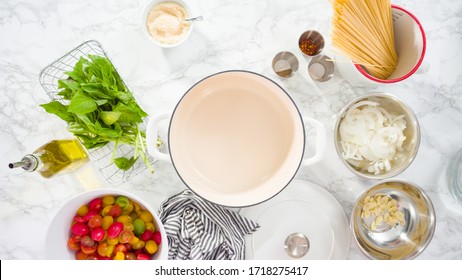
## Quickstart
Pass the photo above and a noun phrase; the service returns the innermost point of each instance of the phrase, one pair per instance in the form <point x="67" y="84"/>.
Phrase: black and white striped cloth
<point x="200" y="230"/>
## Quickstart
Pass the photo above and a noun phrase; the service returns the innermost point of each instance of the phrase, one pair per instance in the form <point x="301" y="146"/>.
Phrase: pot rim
<point x="299" y="116"/>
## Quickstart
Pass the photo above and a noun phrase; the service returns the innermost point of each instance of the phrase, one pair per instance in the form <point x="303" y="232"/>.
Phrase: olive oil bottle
<point x="55" y="157"/>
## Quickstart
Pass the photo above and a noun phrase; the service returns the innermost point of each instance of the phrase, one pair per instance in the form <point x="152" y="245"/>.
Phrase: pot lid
<point x="303" y="222"/>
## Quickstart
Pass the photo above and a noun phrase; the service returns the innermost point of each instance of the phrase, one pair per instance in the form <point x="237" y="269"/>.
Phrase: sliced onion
<point x="369" y="132"/>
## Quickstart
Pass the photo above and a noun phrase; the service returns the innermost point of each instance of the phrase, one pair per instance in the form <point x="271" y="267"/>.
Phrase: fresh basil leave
<point x="100" y="109"/>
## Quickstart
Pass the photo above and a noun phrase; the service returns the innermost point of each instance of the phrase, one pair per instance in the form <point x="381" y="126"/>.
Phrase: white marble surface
<point x="235" y="34"/>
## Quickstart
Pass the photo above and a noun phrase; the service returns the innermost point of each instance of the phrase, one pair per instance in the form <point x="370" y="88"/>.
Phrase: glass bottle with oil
<point x="55" y="157"/>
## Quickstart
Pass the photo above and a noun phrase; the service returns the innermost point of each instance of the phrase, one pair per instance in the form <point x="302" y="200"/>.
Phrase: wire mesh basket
<point x="101" y="157"/>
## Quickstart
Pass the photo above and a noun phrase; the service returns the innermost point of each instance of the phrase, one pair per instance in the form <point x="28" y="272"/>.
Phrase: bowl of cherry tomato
<point x="106" y="224"/>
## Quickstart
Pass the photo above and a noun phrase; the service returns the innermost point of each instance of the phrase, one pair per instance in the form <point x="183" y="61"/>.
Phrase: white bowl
<point x="56" y="247"/>
<point x="144" y="15"/>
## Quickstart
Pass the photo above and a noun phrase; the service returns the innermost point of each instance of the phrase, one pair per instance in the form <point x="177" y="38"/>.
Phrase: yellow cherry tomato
<point x="151" y="247"/>
<point x="151" y="227"/>
<point x="146" y="216"/>
<point x="83" y="210"/>
<point x="108" y="200"/>
<point x="134" y="241"/>
<point x="129" y="209"/>
<point x="129" y="227"/>
<point x="134" y="216"/>
<point x="119" y="256"/>
<point x="107" y="222"/>
<point x="137" y="207"/>
<point x="124" y="219"/>
<point x="105" y="211"/>
<point x="113" y="241"/>
<point x="139" y="245"/>
<point x="110" y="250"/>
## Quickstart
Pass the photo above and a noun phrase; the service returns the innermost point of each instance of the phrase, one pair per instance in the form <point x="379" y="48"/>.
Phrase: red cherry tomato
<point x="115" y="229"/>
<point x="156" y="237"/>
<point x="89" y="215"/>
<point x="80" y="255"/>
<point x="147" y="235"/>
<point x="120" y="248"/>
<point x="79" y="219"/>
<point x="76" y="238"/>
<point x="95" y="221"/>
<point x="129" y="247"/>
<point x="98" y="234"/>
<point x="115" y="211"/>
<point x="143" y="257"/>
<point x="126" y="236"/>
<point x="95" y="205"/>
<point x="102" y="249"/>
<point x="92" y="257"/>
<point x="130" y="256"/>
<point x="71" y="243"/>
<point x="80" y="229"/>
<point x="88" y="250"/>
<point x="87" y="241"/>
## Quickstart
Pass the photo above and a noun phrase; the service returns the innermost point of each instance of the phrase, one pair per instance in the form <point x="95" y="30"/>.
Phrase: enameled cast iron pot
<point x="236" y="138"/>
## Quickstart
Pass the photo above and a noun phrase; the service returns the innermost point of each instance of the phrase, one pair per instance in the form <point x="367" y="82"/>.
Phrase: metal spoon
<point x="198" y="18"/>
<point x="296" y="245"/>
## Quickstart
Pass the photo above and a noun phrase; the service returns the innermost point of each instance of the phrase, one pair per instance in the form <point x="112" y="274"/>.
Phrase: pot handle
<point x="320" y="141"/>
<point x="152" y="134"/>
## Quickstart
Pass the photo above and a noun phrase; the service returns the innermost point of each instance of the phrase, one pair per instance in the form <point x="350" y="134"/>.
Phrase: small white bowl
<point x="56" y="247"/>
<point x="144" y="15"/>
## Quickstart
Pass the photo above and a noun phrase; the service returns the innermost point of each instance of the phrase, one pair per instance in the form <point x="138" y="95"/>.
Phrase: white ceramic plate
<point x="302" y="207"/>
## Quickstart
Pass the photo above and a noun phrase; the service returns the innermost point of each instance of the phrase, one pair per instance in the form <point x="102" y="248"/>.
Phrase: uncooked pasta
<point x="363" y="30"/>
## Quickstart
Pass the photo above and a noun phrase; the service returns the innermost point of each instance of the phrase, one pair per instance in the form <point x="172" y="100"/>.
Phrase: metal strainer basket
<point x="100" y="157"/>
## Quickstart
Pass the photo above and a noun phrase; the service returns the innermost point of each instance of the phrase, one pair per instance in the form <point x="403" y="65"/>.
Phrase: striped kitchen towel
<point x="200" y="230"/>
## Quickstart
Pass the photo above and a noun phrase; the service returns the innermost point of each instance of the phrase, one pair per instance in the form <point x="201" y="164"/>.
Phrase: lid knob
<point x="297" y="245"/>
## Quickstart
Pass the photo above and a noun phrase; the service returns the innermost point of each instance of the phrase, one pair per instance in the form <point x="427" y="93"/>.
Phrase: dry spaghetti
<point x="363" y="30"/>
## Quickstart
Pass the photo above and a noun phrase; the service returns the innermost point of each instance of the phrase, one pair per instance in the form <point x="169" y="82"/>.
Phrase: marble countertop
<point x="235" y="34"/>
